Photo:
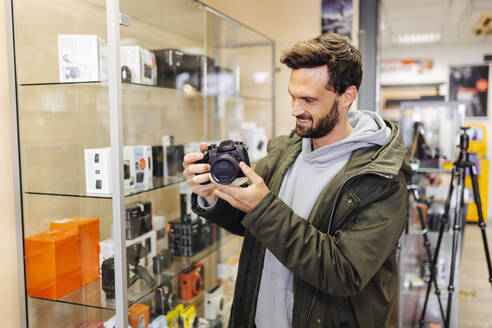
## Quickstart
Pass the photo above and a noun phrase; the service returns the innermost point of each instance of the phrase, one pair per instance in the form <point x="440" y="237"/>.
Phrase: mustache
<point x="304" y="116"/>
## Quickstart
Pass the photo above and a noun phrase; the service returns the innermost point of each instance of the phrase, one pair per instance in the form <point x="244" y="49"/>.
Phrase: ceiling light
<point x="417" y="38"/>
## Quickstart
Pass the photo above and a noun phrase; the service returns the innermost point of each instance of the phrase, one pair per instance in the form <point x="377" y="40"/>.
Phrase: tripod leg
<point x="478" y="202"/>
<point x="456" y="228"/>
<point x="444" y="221"/>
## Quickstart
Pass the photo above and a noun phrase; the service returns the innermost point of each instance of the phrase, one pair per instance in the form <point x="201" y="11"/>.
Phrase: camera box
<point x="188" y="315"/>
<point x="98" y="177"/>
<point x="82" y="58"/>
<point x="98" y="170"/>
<point x="138" y="220"/>
<point x="141" y="62"/>
<point x="169" y="63"/>
<point x="129" y="169"/>
<point x="88" y="231"/>
<point x="143" y="167"/>
<point x="214" y="302"/>
<point x="52" y="264"/>
<point x="138" y="315"/>
<point x="157" y="162"/>
<point x="174" y="315"/>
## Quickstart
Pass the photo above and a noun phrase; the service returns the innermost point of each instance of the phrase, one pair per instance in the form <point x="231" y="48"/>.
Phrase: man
<point x="323" y="212"/>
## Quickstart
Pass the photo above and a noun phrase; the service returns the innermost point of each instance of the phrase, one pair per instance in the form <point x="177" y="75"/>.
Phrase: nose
<point x="296" y="108"/>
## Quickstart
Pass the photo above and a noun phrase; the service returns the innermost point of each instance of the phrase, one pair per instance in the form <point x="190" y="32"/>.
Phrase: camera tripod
<point x="458" y="173"/>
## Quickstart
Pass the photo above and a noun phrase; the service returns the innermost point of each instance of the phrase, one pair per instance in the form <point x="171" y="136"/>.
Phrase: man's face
<point x="315" y="107"/>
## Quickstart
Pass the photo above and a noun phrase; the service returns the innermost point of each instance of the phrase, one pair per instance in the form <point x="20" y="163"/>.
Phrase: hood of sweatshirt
<point x="369" y="129"/>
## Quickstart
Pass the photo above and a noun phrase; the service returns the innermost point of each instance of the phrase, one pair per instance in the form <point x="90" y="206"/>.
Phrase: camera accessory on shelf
<point x="133" y="254"/>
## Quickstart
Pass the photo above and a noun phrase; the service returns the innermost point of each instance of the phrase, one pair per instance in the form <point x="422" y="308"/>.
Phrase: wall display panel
<point x="110" y="96"/>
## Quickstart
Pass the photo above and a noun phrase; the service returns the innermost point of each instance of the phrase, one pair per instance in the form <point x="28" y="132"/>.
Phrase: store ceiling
<point x="453" y="19"/>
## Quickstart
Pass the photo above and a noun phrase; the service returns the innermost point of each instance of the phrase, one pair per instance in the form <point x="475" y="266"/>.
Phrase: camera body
<point x="165" y="299"/>
<point x="138" y="220"/>
<point x="214" y="302"/>
<point x="224" y="160"/>
<point x="191" y="282"/>
<point x="162" y="261"/>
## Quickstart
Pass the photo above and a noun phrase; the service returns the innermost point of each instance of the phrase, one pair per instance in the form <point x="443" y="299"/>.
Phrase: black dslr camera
<point x="224" y="160"/>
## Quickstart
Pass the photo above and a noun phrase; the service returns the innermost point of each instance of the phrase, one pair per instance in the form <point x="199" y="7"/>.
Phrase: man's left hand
<point x="244" y="199"/>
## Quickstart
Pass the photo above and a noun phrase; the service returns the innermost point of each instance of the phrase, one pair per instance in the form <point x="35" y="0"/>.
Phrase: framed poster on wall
<point x="341" y="17"/>
<point x="470" y="83"/>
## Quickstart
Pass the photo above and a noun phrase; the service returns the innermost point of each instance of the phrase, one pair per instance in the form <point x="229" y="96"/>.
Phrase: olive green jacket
<point x="343" y="256"/>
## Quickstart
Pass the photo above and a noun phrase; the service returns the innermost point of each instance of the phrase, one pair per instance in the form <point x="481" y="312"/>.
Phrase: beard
<point x="324" y="126"/>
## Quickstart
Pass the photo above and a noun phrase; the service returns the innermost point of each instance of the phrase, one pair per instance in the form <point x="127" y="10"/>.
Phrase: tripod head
<point x="464" y="139"/>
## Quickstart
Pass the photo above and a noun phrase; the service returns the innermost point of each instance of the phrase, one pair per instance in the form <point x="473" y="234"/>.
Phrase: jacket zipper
<point x="387" y="176"/>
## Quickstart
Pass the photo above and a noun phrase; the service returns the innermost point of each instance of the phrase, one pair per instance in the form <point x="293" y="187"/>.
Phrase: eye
<point x="309" y="100"/>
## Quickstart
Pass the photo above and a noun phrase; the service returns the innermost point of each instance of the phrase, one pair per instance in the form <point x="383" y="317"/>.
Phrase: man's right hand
<point x="196" y="174"/>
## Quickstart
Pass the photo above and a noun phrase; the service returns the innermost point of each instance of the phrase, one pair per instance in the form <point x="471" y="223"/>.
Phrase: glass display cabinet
<point x="430" y="130"/>
<point x="109" y="96"/>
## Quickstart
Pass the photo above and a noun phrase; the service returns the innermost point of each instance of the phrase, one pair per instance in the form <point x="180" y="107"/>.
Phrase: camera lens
<point x="225" y="169"/>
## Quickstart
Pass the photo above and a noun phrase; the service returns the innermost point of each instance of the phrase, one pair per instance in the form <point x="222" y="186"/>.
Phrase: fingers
<point x="250" y="174"/>
<point x="191" y="158"/>
<point x="198" y="179"/>
<point x="203" y="146"/>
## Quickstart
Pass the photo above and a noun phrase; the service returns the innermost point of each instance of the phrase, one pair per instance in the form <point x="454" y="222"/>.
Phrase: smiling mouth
<point x="303" y="122"/>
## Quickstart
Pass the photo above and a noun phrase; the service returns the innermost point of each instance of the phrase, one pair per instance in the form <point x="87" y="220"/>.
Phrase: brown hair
<point x="342" y="59"/>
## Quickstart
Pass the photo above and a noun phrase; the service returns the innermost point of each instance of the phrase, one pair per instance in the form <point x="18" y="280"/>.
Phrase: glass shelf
<point x="92" y="295"/>
<point x="131" y="85"/>
<point x="158" y="184"/>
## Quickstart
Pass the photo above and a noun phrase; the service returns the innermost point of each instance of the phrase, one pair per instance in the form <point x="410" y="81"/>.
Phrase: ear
<point x="348" y="97"/>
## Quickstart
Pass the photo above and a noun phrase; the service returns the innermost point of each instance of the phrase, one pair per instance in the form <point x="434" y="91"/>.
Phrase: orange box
<point x="138" y="313"/>
<point x="88" y="232"/>
<point x="52" y="264"/>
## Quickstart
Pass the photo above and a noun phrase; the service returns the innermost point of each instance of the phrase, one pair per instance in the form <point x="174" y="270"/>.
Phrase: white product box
<point x="129" y="168"/>
<point x="82" y="58"/>
<point x="141" y="62"/>
<point x="98" y="170"/>
<point x="98" y="177"/>
<point x="256" y="139"/>
<point x="143" y="167"/>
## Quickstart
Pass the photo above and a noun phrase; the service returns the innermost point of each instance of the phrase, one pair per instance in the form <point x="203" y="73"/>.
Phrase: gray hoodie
<point x="301" y="186"/>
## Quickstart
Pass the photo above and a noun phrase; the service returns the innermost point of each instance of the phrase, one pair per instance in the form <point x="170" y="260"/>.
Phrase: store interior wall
<point x="9" y="311"/>
<point x="444" y="57"/>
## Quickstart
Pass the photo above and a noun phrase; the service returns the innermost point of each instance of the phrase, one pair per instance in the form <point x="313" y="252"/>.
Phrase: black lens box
<point x="176" y="68"/>
<point x="158" y="161"/>
<point x="169" y="62"/>
<point x="174" y="160"/>
<point x="189" y="238"/>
